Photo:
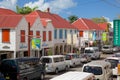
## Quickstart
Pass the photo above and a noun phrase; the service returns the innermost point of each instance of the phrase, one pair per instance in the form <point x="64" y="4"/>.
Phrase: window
<point x="60" y="34"/>
<point x="50" y="35"/>
<point x="5" y="35"/>
<point x="22" y="32"/>
<point x="44" y="35"/>
<point x="38" y="34"/>
<point x="55" y="34"/>
<point x="65" y="34"/>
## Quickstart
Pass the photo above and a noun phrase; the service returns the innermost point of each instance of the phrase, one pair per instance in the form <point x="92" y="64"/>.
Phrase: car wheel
<point x="56" y="70"/>
<point x="25" y="78"/>
<point x="66" y="68"/>
<point x="42" y="76"/>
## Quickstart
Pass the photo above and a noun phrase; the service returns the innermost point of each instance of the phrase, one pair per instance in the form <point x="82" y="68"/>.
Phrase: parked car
<point x="93" y="52"/>
<point x="114" y="62"/>
<point x="55" y="63"/>
<point x="85" y="58"/>
<point x="116" y="49"/>
<point x="74" y="75"/>
<point x="107" y="49"/>
<point x="101" y="69"/>
<point x="22" y="68"/>
<point x="73" y="59"/>
<point x="116" y="54"/>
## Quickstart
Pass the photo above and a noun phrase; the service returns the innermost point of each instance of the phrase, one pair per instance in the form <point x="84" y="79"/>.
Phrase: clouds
<point x="9" y="4"/>
<point x="55" y="6"/>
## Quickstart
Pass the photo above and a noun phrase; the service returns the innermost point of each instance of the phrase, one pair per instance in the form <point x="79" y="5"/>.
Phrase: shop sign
<point x="36" y="43"/>
<point x="104" y="36"/>
<point x="22" y="46"/>
<point x="6" y="47"/>
<point x="44" y="44"/>
<point x="116" y="35"/>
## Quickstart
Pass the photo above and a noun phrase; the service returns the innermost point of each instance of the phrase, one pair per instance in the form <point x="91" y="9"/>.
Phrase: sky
<point x="109" y="9"/>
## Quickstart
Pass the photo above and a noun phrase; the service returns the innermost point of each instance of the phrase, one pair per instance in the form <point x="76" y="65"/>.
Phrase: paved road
<point x="78" y="68"/>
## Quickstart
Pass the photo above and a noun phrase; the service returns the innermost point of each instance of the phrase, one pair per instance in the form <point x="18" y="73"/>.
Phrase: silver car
<point x="107" y="49"/>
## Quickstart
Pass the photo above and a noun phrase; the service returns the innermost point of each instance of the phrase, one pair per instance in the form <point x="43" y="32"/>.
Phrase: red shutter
<point x="44" y="35"/>
<point x="81" y="33"/>
<point x="38" y="34"/>
<point x="50" y="35"/>
<point x="22" y="35"/>
<point x="5" y="35"/>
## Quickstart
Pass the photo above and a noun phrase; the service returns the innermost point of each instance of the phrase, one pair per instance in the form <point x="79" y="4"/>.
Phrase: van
<point x="74" y="75"/>
<point x="101" y="69"/>
<point x="93" y="52"/>
<point x="22" y="68"/>
<point x="114" y="62"/>
<point x="73" y="59"/>
<point x="55" y="63"/>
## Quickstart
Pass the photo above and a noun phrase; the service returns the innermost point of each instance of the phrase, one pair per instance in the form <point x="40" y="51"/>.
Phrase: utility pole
<point x="29" y="39"/>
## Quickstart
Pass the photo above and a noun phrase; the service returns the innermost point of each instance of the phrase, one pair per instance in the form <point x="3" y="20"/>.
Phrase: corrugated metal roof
<point x="86" y="24"/>
<point x="10" y="21"/>
<point x="57" y="21"/>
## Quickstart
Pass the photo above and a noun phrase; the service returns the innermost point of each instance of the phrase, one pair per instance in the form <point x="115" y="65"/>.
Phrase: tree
<point x="25" y="10"/>
<point x="72" y="18"/>
<point x="99" y="20"/>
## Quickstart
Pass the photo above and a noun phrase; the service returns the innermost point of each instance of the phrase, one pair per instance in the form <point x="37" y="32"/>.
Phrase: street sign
<point x="116" y="31"/>
<point x="36" y="43"/>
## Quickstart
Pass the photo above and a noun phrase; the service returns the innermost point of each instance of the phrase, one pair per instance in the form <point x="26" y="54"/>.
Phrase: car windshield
<point x="106" y="47"/>
<point x="93" y="69"/>
<point x="46" y="60"/>
<point x="113" y="62"/>
<point x="89" y="51"/>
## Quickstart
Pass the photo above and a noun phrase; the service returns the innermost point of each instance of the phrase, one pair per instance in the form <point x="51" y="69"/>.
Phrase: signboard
<point x="116" y="35"/>
<point x="104" y="36"/>
<point x="36" y="43"/>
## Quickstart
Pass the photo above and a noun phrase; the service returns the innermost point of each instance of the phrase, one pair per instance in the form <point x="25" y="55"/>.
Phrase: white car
<point x="73" y="59"/>
<point x="114" y="62"/>
<point x="55" y="63"/>
<point x="74" y="75"/>
<point x="93" y="52"/>
<point x="107" y="49"/>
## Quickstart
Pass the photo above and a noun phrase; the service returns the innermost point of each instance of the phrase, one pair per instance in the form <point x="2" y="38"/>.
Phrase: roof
<point x="57" y="21"/>
<point x="51" y="56"/>
<point x="31" y="19"/>
<point x="10" y="21"/>
<point x="7" y="12"/>
<point x="103" y="25"/>
<point x="45" y="21"/>
<point x="73" y="75"/>
<point x="86" y="24"/>
<point x="98" y="63"/>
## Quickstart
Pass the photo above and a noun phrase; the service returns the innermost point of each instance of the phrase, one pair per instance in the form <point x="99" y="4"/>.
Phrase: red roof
<point x="45" y="21"/>
<point x="86" y="24"/>
<point x="10" y="21"/>
<point x="7" y="12"/>
<point x="57" y="21"/>
<point x="31" y="19"/>
<point x="103" y="25"/>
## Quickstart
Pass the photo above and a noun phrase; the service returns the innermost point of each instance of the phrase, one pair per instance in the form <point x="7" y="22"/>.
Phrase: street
<point x="77" y="68"/>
